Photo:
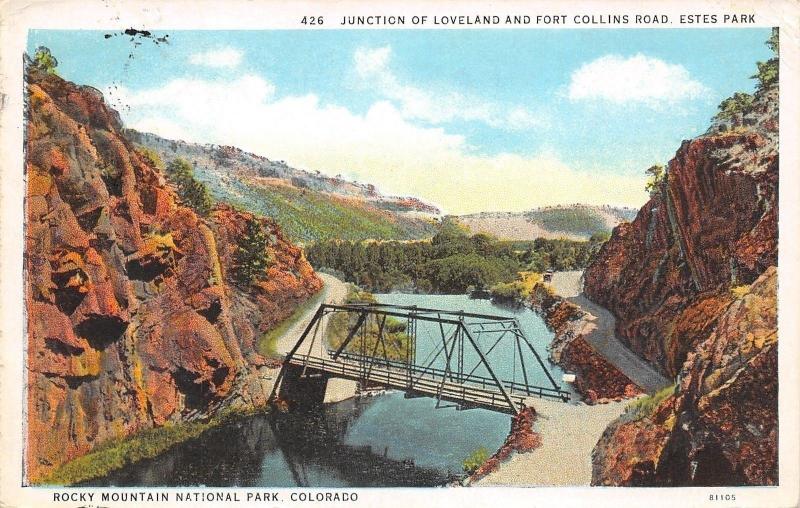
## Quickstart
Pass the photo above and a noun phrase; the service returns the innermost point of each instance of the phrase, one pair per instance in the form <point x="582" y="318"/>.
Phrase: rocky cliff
<point x="692" y="283"/>
<point x="133" y="318"/>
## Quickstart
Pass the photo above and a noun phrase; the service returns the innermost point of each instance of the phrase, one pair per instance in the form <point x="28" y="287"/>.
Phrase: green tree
<point x="192" y="192"/>
<point x="768" y="71"/>
<point x="735" y="105"/>
<point x="656" y="175"/>
<point x="251" y="258"/>
<point x="44" y="60"/>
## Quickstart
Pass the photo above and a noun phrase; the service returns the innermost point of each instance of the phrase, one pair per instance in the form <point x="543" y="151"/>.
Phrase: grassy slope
<point x="579" y="221"/>
<point x="307" y="215"/>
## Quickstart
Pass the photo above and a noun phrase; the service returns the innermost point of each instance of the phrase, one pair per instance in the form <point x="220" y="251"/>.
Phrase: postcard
<point x="399" y="254"/>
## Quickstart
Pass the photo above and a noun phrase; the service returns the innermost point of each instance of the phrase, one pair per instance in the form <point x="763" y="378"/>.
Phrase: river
<point x="385" y="440"/>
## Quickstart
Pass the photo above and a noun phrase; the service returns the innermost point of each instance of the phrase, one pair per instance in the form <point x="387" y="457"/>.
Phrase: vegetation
<point x="117" y="453"/>
<point x="735" y="105"/>
<point x="192" y="192"/>
<point x="306" y="215"/>
<point x="767" y="74"/>
<point x="740" y="102"/>
<point x="518" y="290"/>
<point x="395" y="339"/>
<point x="740" y="291"/>
<point x="475" y="460"/>
<point x="251" y="257"/>
<point x="655" y="176"/>
<point x="579" y="221"/>
<point x="450" y="263"/>
<point x="644" y="406"/>
<point x="268" y="343"/>
<point x="44" y="60"/>
<point x="152" y="157"/>
<point x="559" y="255"/>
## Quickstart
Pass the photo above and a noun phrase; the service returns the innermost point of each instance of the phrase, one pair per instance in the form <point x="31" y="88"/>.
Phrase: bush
<point x="152" y="157"/>
<point x="475" y="460"/>
<point x="740" y="291"/>
<point x="644" y="406"/>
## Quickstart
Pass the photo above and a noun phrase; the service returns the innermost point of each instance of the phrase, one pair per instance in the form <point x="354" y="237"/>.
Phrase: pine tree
<point x="251" y="258"/>
<point x="192" y="192"/>
<point x="45" y="60"/>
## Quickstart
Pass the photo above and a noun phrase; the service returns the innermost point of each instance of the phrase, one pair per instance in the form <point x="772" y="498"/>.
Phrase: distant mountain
<point x="309" y="206"/>
<point x="576" y="222"/>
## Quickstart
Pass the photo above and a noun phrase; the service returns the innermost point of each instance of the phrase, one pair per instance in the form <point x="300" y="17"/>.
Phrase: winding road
<point x="569" y="432"/>
<point x="602" y="337"/>
<point x="334" y="291"/>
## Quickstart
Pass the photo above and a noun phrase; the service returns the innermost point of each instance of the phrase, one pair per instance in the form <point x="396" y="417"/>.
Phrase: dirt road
<point x="602" y="336"/>
<point x="334" y="291"/>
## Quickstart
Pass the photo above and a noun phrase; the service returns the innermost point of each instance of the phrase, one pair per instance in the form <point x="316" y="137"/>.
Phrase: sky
<point x="470" y="120"/>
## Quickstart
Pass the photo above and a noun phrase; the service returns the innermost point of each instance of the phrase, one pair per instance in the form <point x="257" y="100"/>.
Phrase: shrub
<point x="475" y="460"/>
<point x="152" y="157"/>
<point x="644" y="406"/>
<point x="740" y="291"/>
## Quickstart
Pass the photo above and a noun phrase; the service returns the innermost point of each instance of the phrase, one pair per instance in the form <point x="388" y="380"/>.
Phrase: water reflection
<point x="333" y="447"/>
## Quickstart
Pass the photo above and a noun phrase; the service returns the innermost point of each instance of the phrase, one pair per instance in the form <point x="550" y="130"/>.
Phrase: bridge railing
<point x="363" y="363"/>
<point x="464" y="394"/>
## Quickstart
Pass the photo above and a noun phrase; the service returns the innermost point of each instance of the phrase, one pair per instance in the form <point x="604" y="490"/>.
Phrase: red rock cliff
<point x="132" y="318"/>
<point x="692" y="283"/>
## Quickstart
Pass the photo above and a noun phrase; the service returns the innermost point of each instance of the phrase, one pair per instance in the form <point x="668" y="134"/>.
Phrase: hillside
<point x="692" y="282"/>
<point x="309" y="206"/>
<point x="135" y="319"/>
<point x="574" y="222"/>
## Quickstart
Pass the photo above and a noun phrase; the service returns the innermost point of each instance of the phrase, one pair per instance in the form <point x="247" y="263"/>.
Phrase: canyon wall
<point x="692" y="282"/>
<point x="133" y="318"/>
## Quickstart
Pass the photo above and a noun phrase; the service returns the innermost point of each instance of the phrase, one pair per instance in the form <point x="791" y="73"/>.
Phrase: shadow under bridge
<point x="462" y="358"/>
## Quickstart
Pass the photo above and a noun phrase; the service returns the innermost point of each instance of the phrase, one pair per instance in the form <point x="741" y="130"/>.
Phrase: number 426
<point x="312" y="20"/>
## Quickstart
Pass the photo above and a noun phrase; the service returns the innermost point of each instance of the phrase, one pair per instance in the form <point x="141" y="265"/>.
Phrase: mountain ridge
<point x="574" y="222"/>
<point x="309" y="205"/>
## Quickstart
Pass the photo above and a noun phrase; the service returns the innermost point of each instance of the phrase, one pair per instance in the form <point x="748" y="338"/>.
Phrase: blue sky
<point x="469" y="119"/>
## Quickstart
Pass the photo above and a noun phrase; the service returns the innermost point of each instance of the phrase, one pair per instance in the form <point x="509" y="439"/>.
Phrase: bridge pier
<point x="303" y="391"/>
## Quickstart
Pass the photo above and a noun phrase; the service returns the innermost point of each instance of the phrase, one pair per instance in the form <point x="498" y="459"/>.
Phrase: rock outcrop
<point x="596" y="379"/>
<point x="133" y="318"/>
<point x="692" y="282"/>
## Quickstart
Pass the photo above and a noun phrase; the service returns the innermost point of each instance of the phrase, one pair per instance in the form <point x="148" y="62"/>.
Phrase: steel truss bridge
<point x="377" y="345"/>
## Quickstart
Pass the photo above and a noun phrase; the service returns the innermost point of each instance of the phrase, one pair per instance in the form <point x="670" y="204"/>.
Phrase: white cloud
<point x="381" y="146"/>
<point x="436" y="105"/>
<point x="223" y="57"/>
<point x="636" y="79"/>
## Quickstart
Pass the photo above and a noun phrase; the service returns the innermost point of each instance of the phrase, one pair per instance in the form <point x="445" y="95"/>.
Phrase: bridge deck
<point x="469" y="391"/>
